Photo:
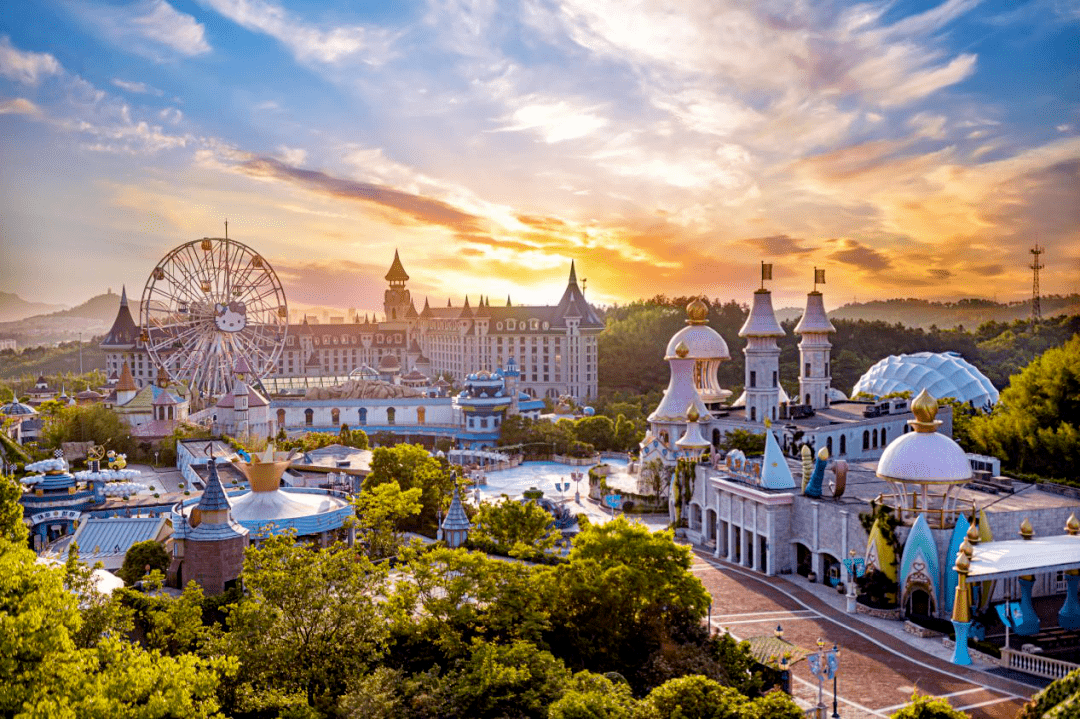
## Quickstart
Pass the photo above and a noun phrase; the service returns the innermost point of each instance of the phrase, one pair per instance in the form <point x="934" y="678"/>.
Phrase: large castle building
<point x="554" y="346"/>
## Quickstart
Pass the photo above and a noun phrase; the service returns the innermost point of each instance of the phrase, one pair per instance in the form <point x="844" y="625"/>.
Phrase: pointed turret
<point x="124" y="333"/>
<point x="455" y="528"/>
<point x="815" y="350"/>
<point x="508" y="301"/>
<point x="396" y="274"/>
<point x="573" y="274"/>
<point x="583" y="315"/>
<point x="126" y="388"/>
<point x="762" y="359"/>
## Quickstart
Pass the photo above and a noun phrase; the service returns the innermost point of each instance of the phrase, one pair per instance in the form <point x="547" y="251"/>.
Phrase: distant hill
<point x="13" y="307"/>
<point x="924" y="314"/>
<point x="90" y="319"/>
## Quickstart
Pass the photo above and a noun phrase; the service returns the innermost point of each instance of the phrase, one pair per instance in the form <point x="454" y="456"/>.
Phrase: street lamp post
<point x="855" y="567"/>
<point x="824" y="665"/>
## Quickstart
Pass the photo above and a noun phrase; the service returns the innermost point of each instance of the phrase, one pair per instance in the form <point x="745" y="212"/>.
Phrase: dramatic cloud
<point x="778" y="245"/>
<point x="859" y="255"/>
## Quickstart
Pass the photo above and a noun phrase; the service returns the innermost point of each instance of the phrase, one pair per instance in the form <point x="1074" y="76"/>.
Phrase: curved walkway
<point x="878" y="672"/>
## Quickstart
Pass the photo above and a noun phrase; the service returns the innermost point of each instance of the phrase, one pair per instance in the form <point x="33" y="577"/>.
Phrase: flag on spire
<point x="819" y="276"/>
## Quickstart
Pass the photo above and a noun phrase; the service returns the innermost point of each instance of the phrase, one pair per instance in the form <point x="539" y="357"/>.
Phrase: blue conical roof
<point x="213" y="499"/>
<point x="775" y="473"/>
<point x="455" y="516"/>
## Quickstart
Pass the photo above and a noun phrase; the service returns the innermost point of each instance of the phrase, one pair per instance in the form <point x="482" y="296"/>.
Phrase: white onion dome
<point x="942" y="374"/>
<point x="701" y="341"/>
<point x="924" y="456"/>
<point x="814" y="319"/>
<point x="761" y="321"/>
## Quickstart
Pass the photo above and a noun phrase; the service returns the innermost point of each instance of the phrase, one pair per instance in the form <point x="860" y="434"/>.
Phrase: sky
<point x="911" y="149"/>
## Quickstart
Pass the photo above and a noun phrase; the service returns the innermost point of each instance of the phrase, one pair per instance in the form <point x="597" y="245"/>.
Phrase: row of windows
<point x="362" y="416"/>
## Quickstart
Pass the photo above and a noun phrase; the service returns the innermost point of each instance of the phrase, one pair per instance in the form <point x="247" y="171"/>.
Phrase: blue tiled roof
<point x="115" y="536"/>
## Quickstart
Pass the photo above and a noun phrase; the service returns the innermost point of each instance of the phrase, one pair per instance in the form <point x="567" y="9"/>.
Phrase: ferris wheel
<point x="208" y="303"/>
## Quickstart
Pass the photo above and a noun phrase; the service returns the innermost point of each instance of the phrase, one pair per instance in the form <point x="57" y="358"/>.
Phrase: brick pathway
<point x="878" y="673"/>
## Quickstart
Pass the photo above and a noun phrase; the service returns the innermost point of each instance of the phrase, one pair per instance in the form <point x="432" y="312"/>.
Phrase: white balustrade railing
<point x="1036" y="664"/>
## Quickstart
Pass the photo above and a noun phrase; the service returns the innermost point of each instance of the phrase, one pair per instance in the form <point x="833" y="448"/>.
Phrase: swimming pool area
<point x="542" y="475"/>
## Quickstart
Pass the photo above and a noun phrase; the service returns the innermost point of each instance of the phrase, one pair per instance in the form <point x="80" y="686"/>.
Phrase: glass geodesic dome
<point x="942" y="374"/>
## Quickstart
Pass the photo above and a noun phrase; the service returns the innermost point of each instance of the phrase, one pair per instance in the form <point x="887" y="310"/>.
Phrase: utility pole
<point x="1036" y="265"/>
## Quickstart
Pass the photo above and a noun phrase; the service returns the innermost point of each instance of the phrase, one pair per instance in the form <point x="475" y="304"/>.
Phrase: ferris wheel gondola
<point x="208" y="303"/>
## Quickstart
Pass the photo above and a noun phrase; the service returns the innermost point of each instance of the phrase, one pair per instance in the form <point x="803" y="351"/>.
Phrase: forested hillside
<point x="632" y="345"/>
<point x="962" y="313"/>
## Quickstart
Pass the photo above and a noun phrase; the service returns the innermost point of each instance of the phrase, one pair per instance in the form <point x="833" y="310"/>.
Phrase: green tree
<point x="515" y="527"/>
<point x="1035" y="427"/>
<point x="598" y="431"/>
<point x="748" y="442"/>
<point x="452" y="596"/>
<point x="1060" y="700"/>
<point x="310" y="621"/>
<point x="518" y="679"/>
<point x="410" y="466"/>
<point x="929" y="707"/>
<point x="624" y="592"/>
<point x="101" y="614"/>
<point x="12" y="528"/>
<point x="696" y="697"/>
<point x="380" y="510"/>
<point x="93" y="422"/>
<point x="594" y="696"/>
<point x="140" y="556"/>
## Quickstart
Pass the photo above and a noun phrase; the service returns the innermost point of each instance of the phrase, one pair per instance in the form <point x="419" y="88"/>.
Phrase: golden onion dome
<point x="1026" y="530"/>
<point x="966" y="548"/>
<point x="1072" y="525"/>
<point x="973" y="534"/>
<point x="697" y="312"/>
<point x="692" y="413"/>
<point x="963" y="563"/>
<point x="925" y="409"/>
<point x="682" y="350"/>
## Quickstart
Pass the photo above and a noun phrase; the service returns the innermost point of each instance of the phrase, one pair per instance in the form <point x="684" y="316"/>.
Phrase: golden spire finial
<point x="963" y="563"/>
<point x="692" y="413"/>
<point x="972" y="534"/>
<point x="1072" y="525"/>
<point x="681" y="350"/>
<point x="697" y="312"/>
<point x="1026" y="530"/>
<point x="961" y="603"/>
<point x="966" y="548"/>
<point x="925" y="409"/>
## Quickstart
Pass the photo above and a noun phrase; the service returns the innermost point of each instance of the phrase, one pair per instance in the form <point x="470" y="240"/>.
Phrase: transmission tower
<point x="1036" y="265"/>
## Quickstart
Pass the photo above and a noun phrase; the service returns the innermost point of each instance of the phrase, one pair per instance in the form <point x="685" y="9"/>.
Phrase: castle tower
<point x="815" y="374"/>
<point x="762" y="359"/>
<point x="510" y="379"/>
<point x="240" y="395"/>
<point x="213" y="543"/>
<point x="125" y="388"/>
<point x="397" y="300"/>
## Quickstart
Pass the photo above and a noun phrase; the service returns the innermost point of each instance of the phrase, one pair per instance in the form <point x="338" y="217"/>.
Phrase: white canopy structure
<point x="942" y="374"/>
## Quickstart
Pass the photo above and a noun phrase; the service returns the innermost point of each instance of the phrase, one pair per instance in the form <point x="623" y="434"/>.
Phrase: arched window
<point x="421" y="414"/>
<point x="828" y="445"/>
<point x="309" y="417"/>
<point x="883" y="442"/>
<point x="807" y="399"/>
<point x="391" y="413"/>
<point x="843" y="444"/>
<point x="753" y="414"/>
<point x="281" y="418"/>
<point x="363" y="415"/>
<point x="866" y="439"/>
<point x="875" y="438"/>
<point x="716" y="438"/>
<point x="335" y="416"/>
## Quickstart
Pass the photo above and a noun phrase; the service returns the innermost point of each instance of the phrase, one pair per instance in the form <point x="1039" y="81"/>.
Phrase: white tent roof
<point x="1015" y="557"/>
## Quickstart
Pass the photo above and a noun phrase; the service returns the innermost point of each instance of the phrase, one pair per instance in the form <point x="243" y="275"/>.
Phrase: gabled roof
<point x="254" y="399"/>
<point x="124" y="331"/>
<point x="397" y="272"/>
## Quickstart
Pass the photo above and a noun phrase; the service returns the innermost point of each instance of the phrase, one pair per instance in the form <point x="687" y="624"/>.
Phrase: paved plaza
<point x="879" y="670"/>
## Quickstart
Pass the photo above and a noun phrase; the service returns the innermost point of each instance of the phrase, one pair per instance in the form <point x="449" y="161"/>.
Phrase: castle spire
<point x="123" y="296"/>
<point x="573" y="274"/>
<point x="397" y="273"/>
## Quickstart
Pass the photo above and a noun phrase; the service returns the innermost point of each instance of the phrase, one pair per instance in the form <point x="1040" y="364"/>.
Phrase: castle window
<point x="828" y="445"/>
<point x="874" y="435"/>
<point x="866" y="439"/>
<point x="883" y="437"/>
<point x="363" y="415"/>
<point x="753" y="414"/>
<point x="391" y="414"/>
<point x="843" y="445"/>
<point x="753" y="378"/>
<point x="774" y="379"/>
<point x="421" y="415"/>
<point x="281" y="417"/>
<point x="335" y="416"/>
<point x="806" y="371"/>
<point x="309" y="417"/>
